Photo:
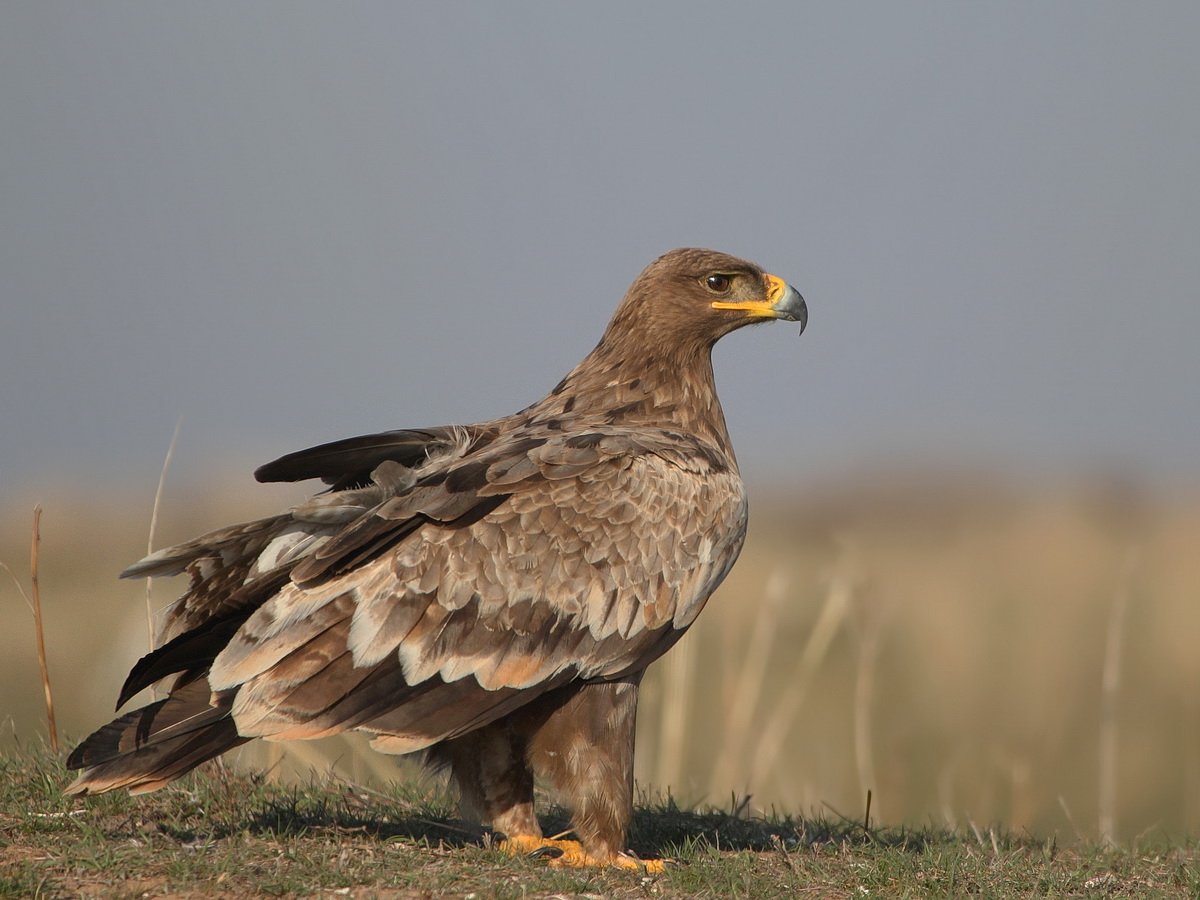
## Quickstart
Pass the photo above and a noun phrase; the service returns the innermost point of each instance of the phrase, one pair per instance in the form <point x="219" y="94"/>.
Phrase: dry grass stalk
<point x="750" y="681"/>
<point x="1062" y="803"/>
<point x="34" y="542"/>
<point x="1110" y="687"/>
<point x="35" y="606"/>
<point x="673" y="733"/>
<point x="864" y="692"/>
<point x="158" y="492"/>
<point x="837" y="603"/>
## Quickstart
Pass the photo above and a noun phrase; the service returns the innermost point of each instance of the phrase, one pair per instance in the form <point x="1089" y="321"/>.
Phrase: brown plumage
<point x="489" y="594"/>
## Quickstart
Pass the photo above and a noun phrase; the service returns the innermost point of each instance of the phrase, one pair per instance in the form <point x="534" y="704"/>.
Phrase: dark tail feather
<point x="191" y="652"/>
<point x="149" y="747"/>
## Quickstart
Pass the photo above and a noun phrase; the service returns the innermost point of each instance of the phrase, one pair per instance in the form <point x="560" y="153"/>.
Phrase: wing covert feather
<point x="602" y="549"/>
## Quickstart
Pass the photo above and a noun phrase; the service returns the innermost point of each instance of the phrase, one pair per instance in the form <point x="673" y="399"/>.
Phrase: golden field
<point x="971" y="652"/>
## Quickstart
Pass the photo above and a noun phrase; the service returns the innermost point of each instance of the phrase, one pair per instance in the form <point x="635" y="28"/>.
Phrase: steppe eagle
<point x="488" y="594"/>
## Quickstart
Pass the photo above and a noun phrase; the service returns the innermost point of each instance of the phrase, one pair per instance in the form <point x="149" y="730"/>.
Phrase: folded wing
<point x="438" y="598"/>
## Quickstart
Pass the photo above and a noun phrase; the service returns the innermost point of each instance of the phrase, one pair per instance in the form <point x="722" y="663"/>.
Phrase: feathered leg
<point x="580" y="739"/>
<point x="584" y="747"/>
<point x="494" y="780"/>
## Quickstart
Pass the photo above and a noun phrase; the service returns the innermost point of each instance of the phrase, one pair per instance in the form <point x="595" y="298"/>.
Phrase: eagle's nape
<point x="488" y="594"/>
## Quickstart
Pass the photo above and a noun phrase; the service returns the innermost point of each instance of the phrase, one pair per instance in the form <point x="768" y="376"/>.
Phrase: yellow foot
<point x="571" y="854"/>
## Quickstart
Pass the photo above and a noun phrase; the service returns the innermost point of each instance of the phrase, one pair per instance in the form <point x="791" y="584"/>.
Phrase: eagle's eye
<point x="718" y="284"/>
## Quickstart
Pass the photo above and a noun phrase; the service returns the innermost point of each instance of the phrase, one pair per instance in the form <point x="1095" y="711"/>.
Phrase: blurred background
<point x="972" y="574"/>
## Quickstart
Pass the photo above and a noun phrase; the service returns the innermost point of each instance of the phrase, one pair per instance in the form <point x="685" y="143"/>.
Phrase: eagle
<point x="489" y="595"/>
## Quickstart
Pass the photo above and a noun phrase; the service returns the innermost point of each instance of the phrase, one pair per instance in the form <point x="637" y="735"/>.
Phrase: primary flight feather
<point x="489" y="594"/>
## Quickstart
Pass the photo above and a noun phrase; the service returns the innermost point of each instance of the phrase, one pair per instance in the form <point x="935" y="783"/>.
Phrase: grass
<point x="216" y="833"/>
<point x="985" y="658"/>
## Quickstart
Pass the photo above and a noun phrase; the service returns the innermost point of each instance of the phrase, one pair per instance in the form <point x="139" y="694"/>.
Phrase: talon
<point x="624" y="861"/>
<point x="538" y="847"/>
<point x="570" y="854"/>
<point x="634" y="863"/>
<point x="656" y="866"/>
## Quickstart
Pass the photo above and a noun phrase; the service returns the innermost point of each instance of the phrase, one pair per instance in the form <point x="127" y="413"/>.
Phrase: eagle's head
<point x="691" y="295"/>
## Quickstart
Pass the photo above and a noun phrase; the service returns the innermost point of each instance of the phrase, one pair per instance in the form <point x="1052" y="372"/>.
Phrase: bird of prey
<point x="489" y="594"/>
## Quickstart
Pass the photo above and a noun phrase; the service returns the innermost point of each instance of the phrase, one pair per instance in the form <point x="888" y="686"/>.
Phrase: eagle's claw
<point x="570" y="854"/>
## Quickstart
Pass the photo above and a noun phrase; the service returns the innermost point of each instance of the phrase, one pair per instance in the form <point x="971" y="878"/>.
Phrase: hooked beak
<point x="783" y="302"/>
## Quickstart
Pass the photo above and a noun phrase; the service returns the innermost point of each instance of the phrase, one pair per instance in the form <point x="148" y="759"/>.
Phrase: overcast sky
<point x="292" y="222"/>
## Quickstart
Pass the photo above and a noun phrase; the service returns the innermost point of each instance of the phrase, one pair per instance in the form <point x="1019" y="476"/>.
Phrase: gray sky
<point x="293" y="222"/>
